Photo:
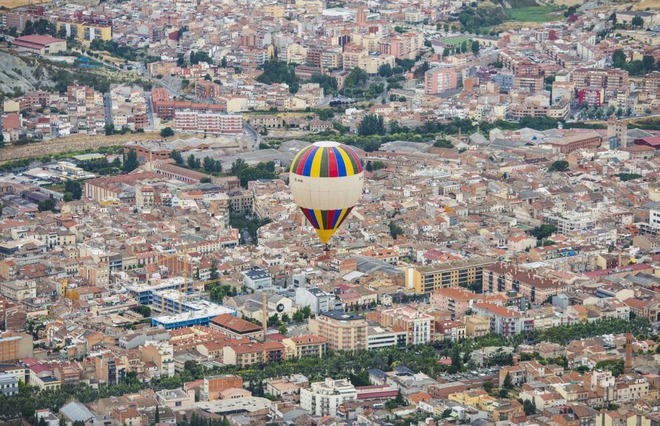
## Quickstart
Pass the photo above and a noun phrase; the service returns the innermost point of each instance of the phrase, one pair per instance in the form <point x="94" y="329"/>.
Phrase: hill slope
<point x="18" y="74"/>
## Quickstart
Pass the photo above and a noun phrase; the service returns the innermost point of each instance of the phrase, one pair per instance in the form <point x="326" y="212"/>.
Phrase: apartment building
<point x="440" y="80"/>
<point x="87" y="31"/>
<point x="253" y="353"/>
<point x="425" y="279"/>
<point x="500" y="277"/>
<point x="453" y="299"/>
<point x="418" y="326"/>
<point x="503" y="320"/>
<point x="161" y="355"/>
<point x="207" y="122"/>
<point x="308" y="345"/>
<point x="343" y="331"/>
<point x="324" y="398"/>
<point x="611" y="81"/>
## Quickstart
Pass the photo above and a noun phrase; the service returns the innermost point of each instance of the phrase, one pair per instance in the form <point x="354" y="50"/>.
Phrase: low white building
<point x="257" y="279"/>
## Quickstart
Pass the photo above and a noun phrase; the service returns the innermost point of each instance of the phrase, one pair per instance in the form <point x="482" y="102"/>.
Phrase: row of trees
<point x="341" y="364"/>
<point x="246" y="173"/>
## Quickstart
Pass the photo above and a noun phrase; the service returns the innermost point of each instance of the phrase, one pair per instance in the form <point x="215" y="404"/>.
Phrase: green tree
<point x="395" y="230"/>
<point x="109" y="129"/>
<point x="475" y="47"/>
<point x="213" y="270"/>
<point x="530" y="407"/>
<point x="456" y="361"/>
<point x="328" y="83"/>
<point x="628" y="176"/>
<point x="488" y="386"/>
<point x="443" y="143"/>
<point x="282" y="329"/>
<point x="558" y="166"/>
<point x="47" y="204"/>
<point x="385" y="70"/>
<point x="637" y="22"/>
<point x="191" y="162"/>
<point x="238" y="166"/>
<point x="166" y="132"/>
<point x="274" y="320"/>
<point x="508" y="382"/>
<point x="400" y="400"/>
<point x="543" y="231"/>
<point x="130" y="161"/>
<point x="421" y="70"/>
<point x="616" y="366"/>
<point x="75" y="188"/>
<point x="276" y="71"/>
<point x="354" y="80"/>
<point x="157" y="415"/>
<point x="371" y="125"/>
<point x="176" y="156"/>
<point x="619" y="58"/>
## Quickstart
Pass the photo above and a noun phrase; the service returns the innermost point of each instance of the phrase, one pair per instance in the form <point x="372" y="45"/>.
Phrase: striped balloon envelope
<point x="326" y="180"/>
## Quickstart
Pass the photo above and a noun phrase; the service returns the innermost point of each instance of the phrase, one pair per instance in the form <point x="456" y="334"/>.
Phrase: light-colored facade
<point x="161" y="354"/>
<point x="324" y="398"/>
<point x="343" y="331"/>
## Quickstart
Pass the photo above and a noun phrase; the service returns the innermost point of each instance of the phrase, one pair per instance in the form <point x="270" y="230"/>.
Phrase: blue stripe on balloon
<point x="308" y="163"/>
<point x="312" y="216"/>
<point x="335" y="218"/>
<point x="341" y="166"/>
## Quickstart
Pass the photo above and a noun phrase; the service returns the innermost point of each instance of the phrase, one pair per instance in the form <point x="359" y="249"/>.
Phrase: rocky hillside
<point x="19" y="74"/>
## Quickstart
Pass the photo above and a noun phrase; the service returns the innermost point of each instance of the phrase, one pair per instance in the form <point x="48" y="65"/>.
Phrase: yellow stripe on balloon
<point x="295" y="159"/>
<point x="341" y="217"/>
<point x="347" y="162"/>
<point x="319" y="216"/>
<point x="316" y="164"/>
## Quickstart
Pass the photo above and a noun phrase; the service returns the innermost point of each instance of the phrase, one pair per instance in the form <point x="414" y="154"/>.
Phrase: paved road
<point x="107" y="105"/>
<point x="150" y="111"/>
<point x="252" y="133"/>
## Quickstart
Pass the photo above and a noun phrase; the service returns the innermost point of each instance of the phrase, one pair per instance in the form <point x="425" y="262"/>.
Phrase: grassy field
<point x="533" y="14"/>
<point x="11" y="4"/>
<point x="456" y="41"/>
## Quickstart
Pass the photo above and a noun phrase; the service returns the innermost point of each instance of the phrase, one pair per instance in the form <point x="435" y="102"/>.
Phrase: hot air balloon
<point x="326" y="179"/>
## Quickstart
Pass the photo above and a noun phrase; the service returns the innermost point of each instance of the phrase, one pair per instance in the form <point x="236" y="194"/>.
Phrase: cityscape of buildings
<point x="502" y="266"/>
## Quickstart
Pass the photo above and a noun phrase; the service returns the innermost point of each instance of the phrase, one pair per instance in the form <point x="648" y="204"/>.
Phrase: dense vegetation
<point x="558" y="166"/>
<point x="276" y="71"/>
<point x="113" y="48"/>
<point x="246" y="173"/>
<point x="637" y="67"/>
<point x="477" y="18"/>
<point x="628" y="176"/>
<point x="249" y="223"/>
